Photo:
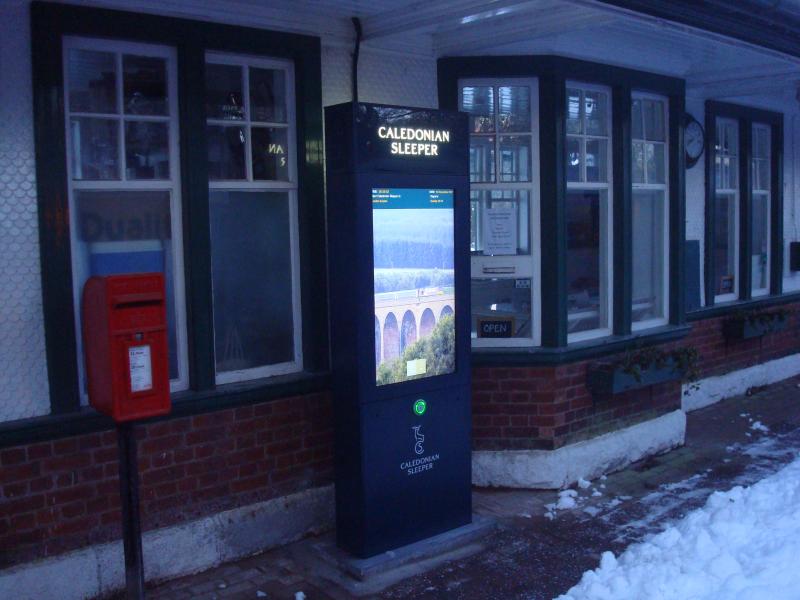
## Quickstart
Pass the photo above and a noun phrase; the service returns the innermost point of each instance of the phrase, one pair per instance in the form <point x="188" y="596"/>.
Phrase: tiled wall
<point x="23" y="374"/>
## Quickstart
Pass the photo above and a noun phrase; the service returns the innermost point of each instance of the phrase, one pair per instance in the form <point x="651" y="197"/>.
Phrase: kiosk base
<point x="429" y="550"/>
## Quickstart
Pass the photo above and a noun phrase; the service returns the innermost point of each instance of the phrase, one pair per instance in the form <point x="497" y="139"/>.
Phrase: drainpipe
<point x="354" y="77"/>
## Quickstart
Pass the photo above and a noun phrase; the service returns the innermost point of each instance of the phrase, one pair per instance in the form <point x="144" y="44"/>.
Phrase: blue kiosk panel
<point x="398" y="233"/>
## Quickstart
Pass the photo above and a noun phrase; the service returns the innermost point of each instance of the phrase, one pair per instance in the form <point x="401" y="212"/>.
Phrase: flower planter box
<point x="607" y="379"/>
<point x="745" y="329"/>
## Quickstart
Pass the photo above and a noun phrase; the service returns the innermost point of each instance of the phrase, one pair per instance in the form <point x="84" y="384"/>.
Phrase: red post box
<point x="125" y="344"/>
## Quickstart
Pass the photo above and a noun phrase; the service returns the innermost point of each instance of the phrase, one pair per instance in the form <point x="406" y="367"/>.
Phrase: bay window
<point x="588" y="211"/>
<point x="596" y="224"/>
<point x="504" y="209"/>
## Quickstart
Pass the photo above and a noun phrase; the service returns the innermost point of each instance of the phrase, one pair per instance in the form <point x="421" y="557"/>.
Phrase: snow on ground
<point x="742" y="544"/>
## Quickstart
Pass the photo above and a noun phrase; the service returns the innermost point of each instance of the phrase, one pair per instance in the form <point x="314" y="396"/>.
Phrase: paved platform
<point x="538" y="550"/>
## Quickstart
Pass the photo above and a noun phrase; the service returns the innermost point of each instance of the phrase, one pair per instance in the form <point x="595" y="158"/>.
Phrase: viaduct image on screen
<point x="413" y="255"/>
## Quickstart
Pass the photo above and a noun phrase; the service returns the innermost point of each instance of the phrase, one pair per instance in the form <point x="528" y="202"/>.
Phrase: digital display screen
<point x="413" y="254"/>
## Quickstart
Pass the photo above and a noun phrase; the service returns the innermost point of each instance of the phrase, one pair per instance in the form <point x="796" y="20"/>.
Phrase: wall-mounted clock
<point x="694" y="140"/>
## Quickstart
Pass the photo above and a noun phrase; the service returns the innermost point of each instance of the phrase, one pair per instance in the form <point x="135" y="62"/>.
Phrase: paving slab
<point x="537" y="550"/>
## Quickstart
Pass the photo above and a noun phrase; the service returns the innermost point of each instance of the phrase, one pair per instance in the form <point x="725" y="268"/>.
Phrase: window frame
<point x="768" y="191"/>
<point x="525" y="265"/>
<point x="173" y="184"/>
<point x="745" y="117"/>
<point x="606" y="246"/>
<point x="736" y="194"/>
<point x="250" y="184"/>
<point x="190" y="39"/>
<point x="665" y="188"/>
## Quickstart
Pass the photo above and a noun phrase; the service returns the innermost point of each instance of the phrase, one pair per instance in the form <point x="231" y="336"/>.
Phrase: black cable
<point x="357" y="25"/>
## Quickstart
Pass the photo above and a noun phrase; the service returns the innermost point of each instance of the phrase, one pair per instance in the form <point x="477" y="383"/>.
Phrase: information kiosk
<point x="398" y="230"/>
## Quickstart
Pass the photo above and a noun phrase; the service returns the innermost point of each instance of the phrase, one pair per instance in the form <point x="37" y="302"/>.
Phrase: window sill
<point x="733" y="307"/>
<point x="184" y="404"/>
<point x="577" y="351"/>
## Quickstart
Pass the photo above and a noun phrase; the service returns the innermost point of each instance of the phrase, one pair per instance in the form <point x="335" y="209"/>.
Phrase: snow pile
<point x="743" y="543"/>
<point x="759" y="426"/>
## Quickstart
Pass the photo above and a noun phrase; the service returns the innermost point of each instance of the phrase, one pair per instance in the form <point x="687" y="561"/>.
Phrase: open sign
<point x="496" y="327"/>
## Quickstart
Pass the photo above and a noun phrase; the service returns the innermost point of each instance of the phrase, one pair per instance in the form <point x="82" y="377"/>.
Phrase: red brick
<point x="41" y="484"/>
<point x="21" y="472"/>
<point x="104" y="455"/>
<point x="22" y="505"/>
<point x="74" y="509"/>
<point x="155" y="430"/>
<point x="66" y="462"/>
<point x="23" y="522"/>
<point x="212" y="420"/>
<point x="250" y="484"/>
<point x="204" y="436"/>
<point x="38" y="451"/>
<point x="12" y="456"/>
<point x="161" y="444"/>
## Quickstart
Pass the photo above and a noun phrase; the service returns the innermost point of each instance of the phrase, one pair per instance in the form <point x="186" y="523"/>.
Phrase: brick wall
<point x="549" y="407"/>
<point x="719" y="356"/>
<point x="64" y="494"/>
<point x="545" y="408"/>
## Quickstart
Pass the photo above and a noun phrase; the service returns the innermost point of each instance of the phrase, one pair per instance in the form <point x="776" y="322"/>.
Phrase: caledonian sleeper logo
<point x="423" y="463"/>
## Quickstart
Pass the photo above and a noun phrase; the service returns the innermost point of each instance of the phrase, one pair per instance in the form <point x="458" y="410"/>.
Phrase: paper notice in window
<point x="141" y="368"/>
<point x="500" y="230"/>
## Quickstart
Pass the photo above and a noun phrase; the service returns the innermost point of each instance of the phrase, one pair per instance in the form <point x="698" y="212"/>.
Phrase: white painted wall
<point x="384" y="77"/>
<point x="23" y="370"/>
<point x="695" y="193"/>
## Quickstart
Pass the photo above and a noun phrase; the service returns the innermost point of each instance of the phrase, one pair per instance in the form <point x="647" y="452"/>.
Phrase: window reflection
<point x="92" y="82"/>
<point x="648" y="255"/>
<point x="481" y="159"/>
<point x="515" y="109"/>
<point x="585" y="283"/>
<point x="224" y="98"/>
<point x="144" y="83"/>
<point x="226" y="150"/>
<point x="478" y="102"/>
<point x="501" y="301"/>
<point x="146" y="150"/>
<point x="253" y="317"/>
<point x="95" y="148"/>
<point x="515" y="158"/>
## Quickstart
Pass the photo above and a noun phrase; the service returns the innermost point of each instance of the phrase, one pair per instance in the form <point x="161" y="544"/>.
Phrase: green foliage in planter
<point x="754" y="323"/>
<point x="685" y="362"/>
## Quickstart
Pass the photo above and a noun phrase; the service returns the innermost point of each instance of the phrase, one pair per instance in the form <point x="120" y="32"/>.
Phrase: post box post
<point x="125" y="345"/>
<point x="129" y="497"/>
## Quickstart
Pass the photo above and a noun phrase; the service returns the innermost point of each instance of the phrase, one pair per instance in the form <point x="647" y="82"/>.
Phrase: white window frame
<point x="526" y="266"/>
<point x="171" y="185"/>
<point x="250" y="185"/>
<point x="766" y="193"/>
<point x="663" y="187"/>
<point x="736" y="193"/>
<point x="606" y="212"/>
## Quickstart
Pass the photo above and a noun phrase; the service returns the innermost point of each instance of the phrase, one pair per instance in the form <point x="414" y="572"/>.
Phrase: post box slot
<point x="137" y="299"/>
